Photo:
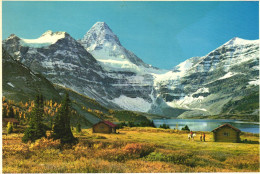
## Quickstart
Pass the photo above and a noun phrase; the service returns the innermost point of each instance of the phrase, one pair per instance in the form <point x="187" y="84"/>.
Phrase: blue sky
<point x="163" y="34"/>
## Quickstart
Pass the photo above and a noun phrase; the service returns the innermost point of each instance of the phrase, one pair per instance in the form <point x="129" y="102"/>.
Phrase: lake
<point x="207" y="125"/>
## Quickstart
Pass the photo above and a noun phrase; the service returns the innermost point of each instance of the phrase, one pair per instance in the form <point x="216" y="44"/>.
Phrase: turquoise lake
<point x="207" y="125"/>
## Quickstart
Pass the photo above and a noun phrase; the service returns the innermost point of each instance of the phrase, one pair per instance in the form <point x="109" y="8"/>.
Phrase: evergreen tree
<point x="152" y="124"/>
<point x="36" y="128"/>
<point x="4" y="112"/>
<point x="78" y="128"/>
<point x="11" y="113"/>
<point x="10" y="127"/>
<point x="61" y="128"/>
<point x="164" y="126"/>
<point x="186" y="128"/>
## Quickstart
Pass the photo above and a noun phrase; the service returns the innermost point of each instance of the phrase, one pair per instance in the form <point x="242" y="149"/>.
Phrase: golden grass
<point x="133" y="150"/>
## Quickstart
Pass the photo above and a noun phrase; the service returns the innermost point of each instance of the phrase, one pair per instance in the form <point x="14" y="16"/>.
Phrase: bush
<point x="9" y="127"/>
<point x="45" y="143"/>
<point x="177" y="158"/>
<point x="140" y="149"/>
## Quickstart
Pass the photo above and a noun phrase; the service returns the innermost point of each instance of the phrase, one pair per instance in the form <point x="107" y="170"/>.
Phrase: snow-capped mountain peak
<point x="236" y="41"/>
<point x="100" y="35"/>
<point x="45" y="39"/>
<point x="105" y="46"/>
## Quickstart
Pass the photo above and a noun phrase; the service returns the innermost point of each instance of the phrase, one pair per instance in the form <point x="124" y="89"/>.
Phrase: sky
<point x="162" y="34"/>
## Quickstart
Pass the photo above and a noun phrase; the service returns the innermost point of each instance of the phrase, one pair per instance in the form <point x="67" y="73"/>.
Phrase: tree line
<point x="60" y="128"/>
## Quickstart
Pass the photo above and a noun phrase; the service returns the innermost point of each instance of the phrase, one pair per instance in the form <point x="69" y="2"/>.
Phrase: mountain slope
<point x="65" y="62"/>
<point x="196" y="87"/>
<point x="21" y="84"/>
<point x="208" y="83"/>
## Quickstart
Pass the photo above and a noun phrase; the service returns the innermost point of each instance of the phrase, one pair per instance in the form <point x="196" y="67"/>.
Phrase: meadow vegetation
<point x="135" y="149"/>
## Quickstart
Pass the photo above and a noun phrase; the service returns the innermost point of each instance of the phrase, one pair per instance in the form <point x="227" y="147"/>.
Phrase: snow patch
<point x="254" y="82"/>
<point x="46" y="39"/>
<point x="10" y="84"/>
<point x="133" y="104"/>
<point x="202" y="90"/>
<point x="228" y="75"/>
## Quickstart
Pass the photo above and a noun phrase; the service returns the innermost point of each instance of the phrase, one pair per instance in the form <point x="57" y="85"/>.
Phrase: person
<point x="201" y="137"/>
<point x="204" y="136"/>
<point x="191" y="134"/>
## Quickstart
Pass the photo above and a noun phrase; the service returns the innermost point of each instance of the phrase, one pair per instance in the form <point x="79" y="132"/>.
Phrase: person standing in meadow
<point x="201" y="137"/>
<point x="204" y="136"/>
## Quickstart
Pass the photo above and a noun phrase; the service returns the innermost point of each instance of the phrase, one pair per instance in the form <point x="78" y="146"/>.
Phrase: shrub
<point x="45" y="143"/>
<point x="9" y="127"/>
<point x="177" y="158"/>
<point x="138" y="148"/>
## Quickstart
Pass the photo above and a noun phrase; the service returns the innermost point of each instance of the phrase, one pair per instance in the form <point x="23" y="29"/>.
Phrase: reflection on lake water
<point x="207" y="125"/>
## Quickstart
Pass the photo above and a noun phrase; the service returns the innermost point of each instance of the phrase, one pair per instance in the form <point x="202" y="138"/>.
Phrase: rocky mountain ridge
<point x="98" y="66"/>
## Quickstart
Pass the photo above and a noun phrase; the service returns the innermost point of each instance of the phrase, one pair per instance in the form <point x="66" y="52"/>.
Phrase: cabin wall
<point x="226" y="134"/>
<point x="101" y="128"/>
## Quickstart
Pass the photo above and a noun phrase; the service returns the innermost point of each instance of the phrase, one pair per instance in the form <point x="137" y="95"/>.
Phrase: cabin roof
<point x="12" y="120"/>
<point x="228" y="125"/>
<point x="110" y="124"/>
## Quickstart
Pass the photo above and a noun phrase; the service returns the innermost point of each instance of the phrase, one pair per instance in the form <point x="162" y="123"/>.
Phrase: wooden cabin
<point x="104" y="127"/>
<point x="226" y="133"/>
<point x="11" y="120"/>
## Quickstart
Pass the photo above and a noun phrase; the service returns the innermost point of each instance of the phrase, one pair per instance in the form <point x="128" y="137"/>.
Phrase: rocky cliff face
<point x="204" y="85"/>
<point x="117" y="78"/>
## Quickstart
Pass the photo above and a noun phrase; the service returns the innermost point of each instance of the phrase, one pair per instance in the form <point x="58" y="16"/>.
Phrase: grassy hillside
<point x="133" y="150"/>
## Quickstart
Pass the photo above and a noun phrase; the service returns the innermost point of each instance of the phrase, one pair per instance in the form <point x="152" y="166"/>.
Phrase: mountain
<point x="98" y="66"/>
<point x="22" y="84"/>
<point x="67" y="63"/>
<point x="105" y="46"/>
<point x="205" y="85"/>
<point x="62" y="60"/>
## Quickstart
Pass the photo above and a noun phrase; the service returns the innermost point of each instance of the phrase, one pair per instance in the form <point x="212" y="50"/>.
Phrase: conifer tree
<point x="61" y="128"/>
<point x="4" y="112"/>
<point x="36" y="128"/>
<point x="152" y="124"/>
<point x="11" y="113"/>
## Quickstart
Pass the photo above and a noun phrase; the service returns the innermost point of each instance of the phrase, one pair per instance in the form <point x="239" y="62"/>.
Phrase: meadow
<point x="132" y="150"/>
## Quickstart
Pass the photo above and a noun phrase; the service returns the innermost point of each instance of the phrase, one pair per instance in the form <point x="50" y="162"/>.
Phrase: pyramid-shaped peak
<point x="98" y="35"/>
<point x="101" y="27"/>
<point x="100" y="24"/>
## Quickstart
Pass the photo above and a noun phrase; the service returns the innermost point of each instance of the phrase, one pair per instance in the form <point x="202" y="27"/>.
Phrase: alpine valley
<point x="222" y="84"/>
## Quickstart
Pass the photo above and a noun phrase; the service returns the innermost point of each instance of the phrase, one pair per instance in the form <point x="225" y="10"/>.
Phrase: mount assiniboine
<point x="98" y="66"/>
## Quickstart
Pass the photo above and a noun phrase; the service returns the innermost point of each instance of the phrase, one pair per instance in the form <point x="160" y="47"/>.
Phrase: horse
<point x="191" y="136"/>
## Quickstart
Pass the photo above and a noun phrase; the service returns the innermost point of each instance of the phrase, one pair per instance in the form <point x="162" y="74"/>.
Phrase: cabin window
<point x="226" y="134"/>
